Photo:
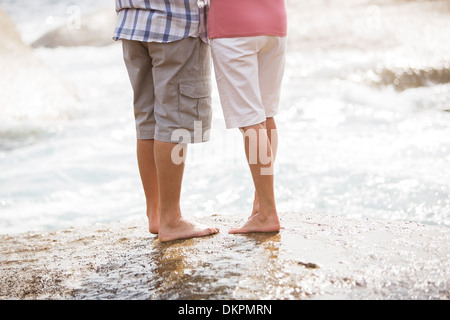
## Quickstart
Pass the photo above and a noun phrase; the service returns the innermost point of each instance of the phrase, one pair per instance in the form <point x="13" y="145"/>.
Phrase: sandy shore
<point x="315" y="256"/>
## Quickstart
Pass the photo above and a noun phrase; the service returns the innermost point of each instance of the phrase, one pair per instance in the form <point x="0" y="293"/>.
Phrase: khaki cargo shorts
<point x="171" y="89"/>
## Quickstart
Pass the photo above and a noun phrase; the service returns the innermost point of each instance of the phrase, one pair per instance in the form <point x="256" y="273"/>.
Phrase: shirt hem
<point x="141" y="39"/>
<point x="255" y="34"/>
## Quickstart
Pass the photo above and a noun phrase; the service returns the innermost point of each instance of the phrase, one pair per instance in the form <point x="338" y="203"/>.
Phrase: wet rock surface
<point x="314" y="256"/>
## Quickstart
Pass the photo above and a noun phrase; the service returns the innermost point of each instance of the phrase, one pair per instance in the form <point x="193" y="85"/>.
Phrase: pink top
<point x="247" y="18"/>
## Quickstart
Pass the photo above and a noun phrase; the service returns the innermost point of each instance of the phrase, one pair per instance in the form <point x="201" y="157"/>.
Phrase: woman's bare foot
<point x="153" y="220"/>
<point x="259" y="223"/>
<point x="184" y="229"/>
<point x="255" y="209"/>
<point x="153" y="223"/>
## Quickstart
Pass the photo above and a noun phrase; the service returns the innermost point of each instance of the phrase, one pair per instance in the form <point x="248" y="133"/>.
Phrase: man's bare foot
<point x="258" y="223"/>
<point x="183" y="229"/>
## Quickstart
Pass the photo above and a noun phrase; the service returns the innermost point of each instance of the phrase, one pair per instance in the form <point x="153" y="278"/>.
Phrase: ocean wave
<point x="32" y="97"/>
<point x="14" y="135"/>
<point x="422" y="87"/>
<point x="95" y="29"/>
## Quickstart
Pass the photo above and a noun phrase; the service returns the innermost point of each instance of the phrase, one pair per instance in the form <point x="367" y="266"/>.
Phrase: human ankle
<point x="171" y="222"/>
<point x="267" y="215"/>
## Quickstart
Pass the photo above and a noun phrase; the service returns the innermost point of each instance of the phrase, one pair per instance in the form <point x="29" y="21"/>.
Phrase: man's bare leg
<point x="147" y="170"/>
<point x="272" y="133"/>
<point x="172" y="225"/>
<point x="266" y="220"/>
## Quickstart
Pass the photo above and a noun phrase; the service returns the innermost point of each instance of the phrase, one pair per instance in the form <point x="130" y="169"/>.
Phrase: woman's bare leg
<point x="272" y="133"/>
<point x="261" y="167"/>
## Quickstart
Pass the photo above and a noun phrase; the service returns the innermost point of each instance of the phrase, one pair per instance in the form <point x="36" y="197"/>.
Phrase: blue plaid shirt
<point x="160" y="20"/>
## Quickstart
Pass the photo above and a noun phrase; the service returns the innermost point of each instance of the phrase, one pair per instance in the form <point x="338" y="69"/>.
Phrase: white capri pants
<point x="249" y="72"/>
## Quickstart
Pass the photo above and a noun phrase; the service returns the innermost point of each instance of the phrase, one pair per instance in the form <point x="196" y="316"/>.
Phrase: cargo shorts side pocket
<point x="195" y="103"/>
